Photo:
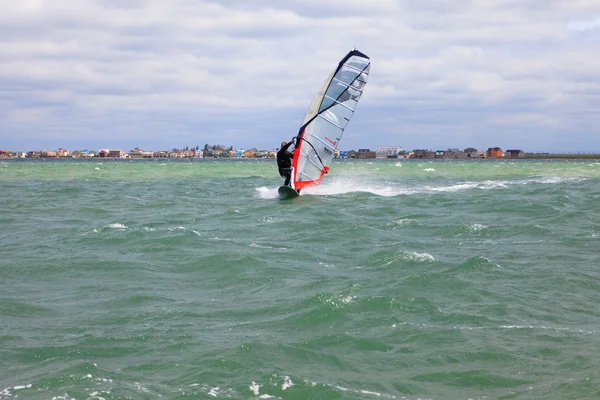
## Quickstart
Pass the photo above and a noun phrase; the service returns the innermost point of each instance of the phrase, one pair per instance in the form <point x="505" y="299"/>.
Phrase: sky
<point x="160" y="74"/>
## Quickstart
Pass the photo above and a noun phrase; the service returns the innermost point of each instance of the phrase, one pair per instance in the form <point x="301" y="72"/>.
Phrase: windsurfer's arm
<point x="294" y="141"/>
<point x="284" y="148"/>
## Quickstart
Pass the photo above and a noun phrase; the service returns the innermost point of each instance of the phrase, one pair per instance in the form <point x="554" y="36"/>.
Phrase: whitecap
<point x="140" y="388"/>
<point x="370" y="392"/>
<point x="454" y="188"/>
<point x="404" y="222"/>
<point x="344" y="186"/>
<point x="117" y="226"/>
<point x="267" y="193"/>
<point x="552" y="328"/>
<point x="363" y="391"/>
<point x="326" y="265"/>
<point x="287" y="382"/>
<point x="255" y="387"/>
<point x="411" y="255"/>
<point x="338" y="302"/>
<point x="492" y="184"/>
<point x="268" y="219"/>
<point x="253" y="244"/>
<point x="429" y="170"/>
<point x="477" y="227"/>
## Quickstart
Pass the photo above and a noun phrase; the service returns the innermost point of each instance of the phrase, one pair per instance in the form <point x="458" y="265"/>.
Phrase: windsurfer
<point x="284" y="161"/>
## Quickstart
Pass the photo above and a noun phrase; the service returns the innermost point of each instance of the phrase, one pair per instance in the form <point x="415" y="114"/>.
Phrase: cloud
<point x="153" y="74"/>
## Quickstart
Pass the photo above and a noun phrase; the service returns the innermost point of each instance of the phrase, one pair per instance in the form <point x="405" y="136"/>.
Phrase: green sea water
<point x="392" y="280"/>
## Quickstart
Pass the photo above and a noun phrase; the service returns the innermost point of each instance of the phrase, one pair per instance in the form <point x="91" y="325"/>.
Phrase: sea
<point x="394" y="279"/>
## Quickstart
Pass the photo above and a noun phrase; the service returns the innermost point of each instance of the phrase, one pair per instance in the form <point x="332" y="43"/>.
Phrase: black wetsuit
<point x="284" y="162"/>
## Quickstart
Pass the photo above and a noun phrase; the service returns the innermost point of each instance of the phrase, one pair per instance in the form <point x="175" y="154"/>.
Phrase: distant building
<point x="456" y="154"/>
<point x="136" y="153"/>
<point x="388" y="151"/>
<point x="116" y="154"/>
<point x="187" y="154"/>
<point x="86" y="153"/>
<point x="514" y="154"/>
<point x="422" y="153"/>
<point x="161" y="154"/>
<point x="473" y="153"/>
<point x="494" y="152"/>
<point x="366" y="153"/>
<point x="351" y="154"/>
<point x="139" y="153"/>
<point x="48" y="154"/>
<point x="63" y="153"/>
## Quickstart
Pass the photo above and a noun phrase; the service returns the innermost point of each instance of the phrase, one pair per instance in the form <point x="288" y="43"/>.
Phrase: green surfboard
<point x="286" y="192"/>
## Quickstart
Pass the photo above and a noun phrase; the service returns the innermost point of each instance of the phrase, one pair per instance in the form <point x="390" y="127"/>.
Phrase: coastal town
<point x="223" y="152"/>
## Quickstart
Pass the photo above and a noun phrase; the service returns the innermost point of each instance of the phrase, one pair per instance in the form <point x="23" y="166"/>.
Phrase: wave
<point x="267" y="193"/>
<point x="398" y="258"/>
<point x="119" y="227"/>
<point x="345" y="185"/>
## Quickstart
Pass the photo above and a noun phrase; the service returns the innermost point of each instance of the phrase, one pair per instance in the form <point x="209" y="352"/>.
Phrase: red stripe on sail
<point x="304" y="184"/>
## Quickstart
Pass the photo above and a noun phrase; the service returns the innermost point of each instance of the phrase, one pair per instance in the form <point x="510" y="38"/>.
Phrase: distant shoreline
<point x="527" y="156"/>
<point x="562" y="156"/>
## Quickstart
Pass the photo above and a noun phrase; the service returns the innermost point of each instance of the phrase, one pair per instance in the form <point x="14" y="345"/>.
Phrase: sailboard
<point x="286" y="192"/>
<point x="326" y="118"/>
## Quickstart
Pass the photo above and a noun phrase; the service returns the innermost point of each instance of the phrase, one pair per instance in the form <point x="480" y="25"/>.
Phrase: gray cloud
<point x="84" y="73"/>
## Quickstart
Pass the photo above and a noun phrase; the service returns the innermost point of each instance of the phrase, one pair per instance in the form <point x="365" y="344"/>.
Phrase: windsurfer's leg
<point x="288" y="177"/>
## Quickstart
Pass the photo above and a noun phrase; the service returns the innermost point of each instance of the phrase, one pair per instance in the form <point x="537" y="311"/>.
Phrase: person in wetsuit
<point x="284" y="162"/>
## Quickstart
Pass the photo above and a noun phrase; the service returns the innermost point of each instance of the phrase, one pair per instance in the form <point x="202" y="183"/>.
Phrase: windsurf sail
<point x="327" y="117"/>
